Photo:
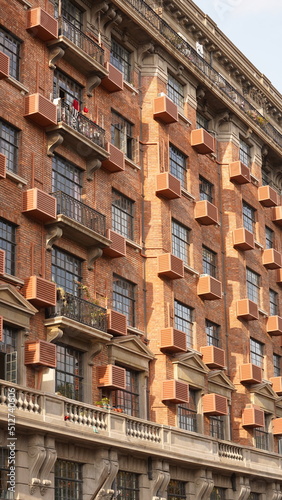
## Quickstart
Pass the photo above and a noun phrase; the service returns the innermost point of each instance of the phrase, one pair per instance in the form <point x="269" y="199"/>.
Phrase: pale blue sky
<point x="254" y="26"/>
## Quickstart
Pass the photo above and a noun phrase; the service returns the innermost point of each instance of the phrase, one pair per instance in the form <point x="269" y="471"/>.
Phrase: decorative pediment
<point x="130" y="350"/>
<point x="15" y="308"/>
<point x="264" y="396"/>
<point x="190" y="368"/>
<point x="220" y="383"/>
<point x="192" y="359"/>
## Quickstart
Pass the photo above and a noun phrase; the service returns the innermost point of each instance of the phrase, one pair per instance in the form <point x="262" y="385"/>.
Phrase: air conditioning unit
<point x="115" y="162"/>
<point x="277" y="426"/>
<point x="175" y="391"/>
<point x="40" y="353"/>
<point x="168" y="186"/>
<point x="253" y="416"/>
<point x="117" y="323"/>
<point x="173" y="340"/>
<point x="206" y="213"/>
<point x="42" y="24"/>
<point x="213" y="356"/>
<point x="250" y="374"/>
<point x="2" y="262"/>
<point x="40" y="292"/>
<point x="277" y="215"/>
<point x="118" y="246"/>
<point x="111" y="376"/>
<point x="247" y="310"/>
<point x="2" y="166"/>
<point x="276" y="384"/>
<point x="40" y="205"/>
<point x="114" y="81"/>
<point x="214" y="404"/>
<point x="209" y="288"/>
<point x="279" y="276"/>
<point x="274" y="325"/>
<point x="243" y="239"/>
<point x="202" y="141"/>
<point x="165" y="110"/>
<point x="40" y="110"/>
<point x="267" y="196"/>
<point x="271" y="259"/>
<point x="239" y="172"/>
<point x="170" y="266"/>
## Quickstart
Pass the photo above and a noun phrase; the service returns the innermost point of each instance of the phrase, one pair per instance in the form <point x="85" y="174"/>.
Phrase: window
<point x="265" y="178"/>
<point x="66" y="270"/>
<point x="66" y="177"/>
<point x="261" y="436"/>
<point x="254" y="496"/>
<point x="273" y="303"/>
<point x="122" y="214"/>
<point x="253" y="285"/>
<point x="124" y="298"/>
<point x="269" y="237"/>
<point x="212" y="331"/>
<point x="72" y="25"/>
<point x="187" y="413"/>
<point x="9" y="145"/>
<point x="69" y="372"/>
<point x="67" y="89"/>
<point x="122" y="134"/>
<point x="256" y="353"/>
<point x="68" y="480"/>
<point x="276" y="365"/>
<point x="127" y="483"/>
<point x="245" y="153"/>
<point x="128" y="399"/>
<point x="177" y="165"/>
<point x="175" y="91"/>
<point x="217" y="493"/>
<point x="279" y="439"/>
<point x="120" y="59"/>
<point x="8" y="243"/>
<point x="206" y="190"/>
<point x="249" y="217"/>
<point x="176" y="490"/>
<point x="10" y="45"/>
<point x="209" y="262"/>
<point x="217" y="425"/>
<point x="183" y="320"/>
<point x="202" y="122"/>
<point x="4" y="478"/>
<point x="180" y="241"/>
<point x="8" y="355"/>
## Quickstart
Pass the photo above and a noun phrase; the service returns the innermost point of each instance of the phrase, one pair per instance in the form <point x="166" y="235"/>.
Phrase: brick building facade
<point x="140" y="256"/>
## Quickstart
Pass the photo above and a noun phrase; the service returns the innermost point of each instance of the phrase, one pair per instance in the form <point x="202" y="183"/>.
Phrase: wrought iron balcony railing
<point x="84" y="42"/>
<point x="79" y="310"/>
<point x="78" y="211"/>
<point x="193" y="58"/>
<point x="77" y="121"/>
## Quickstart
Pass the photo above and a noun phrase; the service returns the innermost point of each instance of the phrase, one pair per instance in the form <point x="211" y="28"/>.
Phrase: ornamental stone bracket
<point x="93" y="254"/>
<point x="106" y="468"/>
<point x="54" y="139"/>
<point x="41" y="456"/>
<point x="55" y="54"/>
<point x="204" y="485"/>
<point x="244" y="488"/>
<point x="92" y="164"/>
<point x="161" y="478"/>
<point x="274" y="492"/>
<point x="93" y="81"/>
<point x="54" y="233"/>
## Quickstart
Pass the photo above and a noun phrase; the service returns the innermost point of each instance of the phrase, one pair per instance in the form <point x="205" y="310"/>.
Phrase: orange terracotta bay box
<point x="247" y="310"/>
<point x="117" y="323"/>
<point x="267" y="196"/>
<point x="209" y="288"/>
<point x="170" y="266"/>
<point x="276" y="384"/>
<point x="118" y="246"/>
<point x="206" y="213"/>
<point x="202" y="141"/>
<point x="165" y="110"/>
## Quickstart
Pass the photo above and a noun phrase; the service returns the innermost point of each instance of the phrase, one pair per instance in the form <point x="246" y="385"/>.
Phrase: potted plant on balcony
<point x="103" y="403"/>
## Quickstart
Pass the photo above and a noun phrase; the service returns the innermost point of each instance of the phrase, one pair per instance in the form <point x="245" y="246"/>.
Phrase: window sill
<point x="25" y="3"/>
<point x="135" y="331"/>
<point x="131" y="87"/>
<point x="190" y="270"/>
<point x="262" y="312"/>
<point x="132" y="164"/>
<point x="258" y="245"/>
<point x="18" y="85"/>
<point x="132" y="244"/>
<point x="12" y="279"/>
<point x="254" y="180"/>
<point x="16" y="178"/>
<point x="188" y="195"/>
<point x="184" y="119"/>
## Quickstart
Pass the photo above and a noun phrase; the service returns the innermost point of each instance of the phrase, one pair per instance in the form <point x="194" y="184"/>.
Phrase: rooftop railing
<point x="77" y="121"/>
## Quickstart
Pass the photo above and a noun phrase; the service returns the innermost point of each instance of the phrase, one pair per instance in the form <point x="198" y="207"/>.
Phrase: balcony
<point x="239" y="172"/>
<point x="81" y="51"/>
<point x="170" y="266"/>
<point x="272" y="259"/>
<point x="117" y="247"/>
<point x="113" y="82"/>
<point x="209" y="288"/>
<point x="250" y="374"/>
<point x="268" y="196"/>
<point x="213" y="356"/>
<point x="40" y="110"/>
<point x="81" y="134"/>
<point x="2" y="166"/>
<point x="168" y="186"/>
<point x="4" y="65"/>
<point x="38" y="353"/>
<point x="40" y="292"/>
<point x="252" y="416"/>
<point x="206" y="213"/>
<point x="39" y="205"/>
<point x="214" y="404"/>
<point x="173" y="340"/>
<point x="42" y="25"/>
<point x="274" y="325"/>
<point x="202" y="141"/>
<point x="243" y="239"/>
<point x="175" y="391"/>
<point x="277" y="385"/>
<point x="277" y="215"/>
<point x="115" y="162"/>
<point x="77" y="316"/>
<point x="247" y="310"/>
<point x="165" y="110"/>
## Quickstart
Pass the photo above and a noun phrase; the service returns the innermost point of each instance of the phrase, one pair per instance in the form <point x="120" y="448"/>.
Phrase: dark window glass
<point x="66" y="177"/>
<point x="67" y="89"/>
<point x="127" y="483"/>
<point x="276" y="365"/>
<point x="217" y="426"/>
<point x="122" y="214"/>
<point x="217" y="493"/>
<point x="187" y="413"/>
<point x="122" y="135"/>
<point x="256" y="353"/>
<point x="69" y="372"/>
<point x="213" y="332"/>
<point x="183" y="320"/>
<point x="269" y="238"/>
<point x="206" y="190"/>
<point x="209" y="262"/>
<point x="4" y="478"/>
<point x="9" y="145"/>
<point x="254" y="496"/>
<point x="68" y="480"/>
<point x="120" y="59"/>
<point x="8" y="243"/>
<point x="66" y="271"/>
<point x="180" y="241"/>
<point x="249" y="217"/>
<point x="253" y="285"/>
<point x="8" y="355"/>
<point x="176" y="490"/>
<point x="10" y="45"/>
<point x="124" y="298"/>
<point x="128" y="399"/>
<point x="245" y="153"/>
<point x="175" y="91"/>
<point x="273" y="303"/>
<point x="202" y="122"/>
<point x="261" y="438"/>
<point x="178" y="167"/>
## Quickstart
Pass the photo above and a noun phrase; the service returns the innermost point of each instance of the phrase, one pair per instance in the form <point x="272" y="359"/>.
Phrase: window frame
<point x="67" y="89"/>
<point x="9" y="245"/>
<point x="217" y="426"/>
<point x="128" y="302"/>
<point x="206" y="190"/>
<point x="129" y="479"/>
<point x="75" y="390"/>
<point x="175" y="91"/>
<point x="123" y="214"/>
<point x="120" y="58"/>
<point x="253" y="283"/>
<point x="8" y="354"/>
<point x="65" y="170"/>
<point x="176" y="490"/>
<point x="276" y="365"/>
<point x="187" y="413"/>
<point x="122" y="134"/>
<point x="218" y="493"/>
<point x="213" y="333"/>
<point x="269" y="238"/>
<point x="202" y="122"/>
<point x="10" y="148"/>
<point x="62" y="274"/>
<point x="256" y="353"/>
<point x="64" y="493"/>
<point x="129" y="398"/>
<point x="249" y="217"/>
<point x="244" y="152"/>
<point x="209" y="262"/>
<point x="14" y="55"/>
<point x="178" y="165"/>
<point x="180" y="240"/>
<point x="185" y="324"/>
<point x="261" y="436"/>
<point x="273" y="303"/>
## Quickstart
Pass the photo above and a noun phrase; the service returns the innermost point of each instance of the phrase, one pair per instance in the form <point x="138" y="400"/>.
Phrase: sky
<point x="254" y="26"/>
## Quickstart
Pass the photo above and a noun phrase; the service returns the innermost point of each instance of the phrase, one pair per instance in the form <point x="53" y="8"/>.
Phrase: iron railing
<point x="78" y="211"/>
<point x="84" y="42"/>
<point x="194" y="59"/>
<point x="79" y="310"/>
<point x="76" y="120"/>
